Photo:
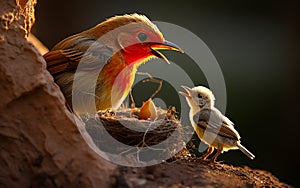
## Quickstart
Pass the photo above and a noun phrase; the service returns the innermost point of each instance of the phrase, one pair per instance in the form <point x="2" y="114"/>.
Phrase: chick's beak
<point x="164" y="46"/>
<point x="189" y="93"/>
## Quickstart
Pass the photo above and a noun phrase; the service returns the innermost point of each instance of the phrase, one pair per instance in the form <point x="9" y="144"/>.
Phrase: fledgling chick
<point x="211" y="126"/>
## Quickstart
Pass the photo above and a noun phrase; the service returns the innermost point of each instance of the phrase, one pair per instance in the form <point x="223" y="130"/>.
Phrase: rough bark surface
<point x="40" y="143"/>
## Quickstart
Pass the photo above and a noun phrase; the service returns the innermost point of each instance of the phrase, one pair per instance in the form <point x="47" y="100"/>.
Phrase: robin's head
<point x="135" y="36"/>
<point x="198" y="97"/>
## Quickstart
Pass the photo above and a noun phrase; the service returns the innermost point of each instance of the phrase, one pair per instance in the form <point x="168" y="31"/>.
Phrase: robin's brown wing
<point x="66" y="55"/>
<point x="214" y="121"/>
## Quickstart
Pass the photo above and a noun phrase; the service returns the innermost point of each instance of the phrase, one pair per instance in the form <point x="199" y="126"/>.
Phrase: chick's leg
<point x="214" y="158"/>
<point x="208" y="152"/>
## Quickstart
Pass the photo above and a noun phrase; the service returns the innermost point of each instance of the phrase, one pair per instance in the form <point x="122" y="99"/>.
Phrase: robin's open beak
<point x="164" y="46"/>
<point x="189" y="93"/>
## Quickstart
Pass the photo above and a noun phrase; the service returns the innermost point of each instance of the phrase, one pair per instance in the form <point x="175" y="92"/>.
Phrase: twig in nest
<point x="132" y="99"/>
<point x="149" y="79"/>
<point x="172" y="113"/>
<point x="145" y="74"/>
<point x="154" y="80"/>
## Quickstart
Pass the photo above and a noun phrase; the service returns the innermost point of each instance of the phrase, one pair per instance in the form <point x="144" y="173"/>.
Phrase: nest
<point x="165" y="133"/>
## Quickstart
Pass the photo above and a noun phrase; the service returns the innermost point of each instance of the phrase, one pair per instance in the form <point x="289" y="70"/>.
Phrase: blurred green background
<point x="256" y="45"/>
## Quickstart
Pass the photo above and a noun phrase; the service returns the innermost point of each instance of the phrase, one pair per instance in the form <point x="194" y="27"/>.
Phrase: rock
<point x="40" y="143"/>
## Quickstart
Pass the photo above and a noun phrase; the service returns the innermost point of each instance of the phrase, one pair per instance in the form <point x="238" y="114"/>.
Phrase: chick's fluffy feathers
<point x="212" y="120"/>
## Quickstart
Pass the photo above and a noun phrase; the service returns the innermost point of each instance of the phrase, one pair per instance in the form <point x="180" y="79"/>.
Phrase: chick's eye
<point x="199" y="95"/>
<point x="142" y="37"/>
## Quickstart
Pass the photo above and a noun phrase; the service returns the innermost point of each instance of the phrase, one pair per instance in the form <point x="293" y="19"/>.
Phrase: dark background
<point x="256" y="45"/>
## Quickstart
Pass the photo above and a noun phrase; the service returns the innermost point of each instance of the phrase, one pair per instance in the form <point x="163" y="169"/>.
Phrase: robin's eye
<point x="199" y="95"/>
<point x="142" y="37"/>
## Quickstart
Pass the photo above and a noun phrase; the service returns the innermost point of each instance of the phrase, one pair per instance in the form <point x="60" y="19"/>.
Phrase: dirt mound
<point x="197" y="173"/>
